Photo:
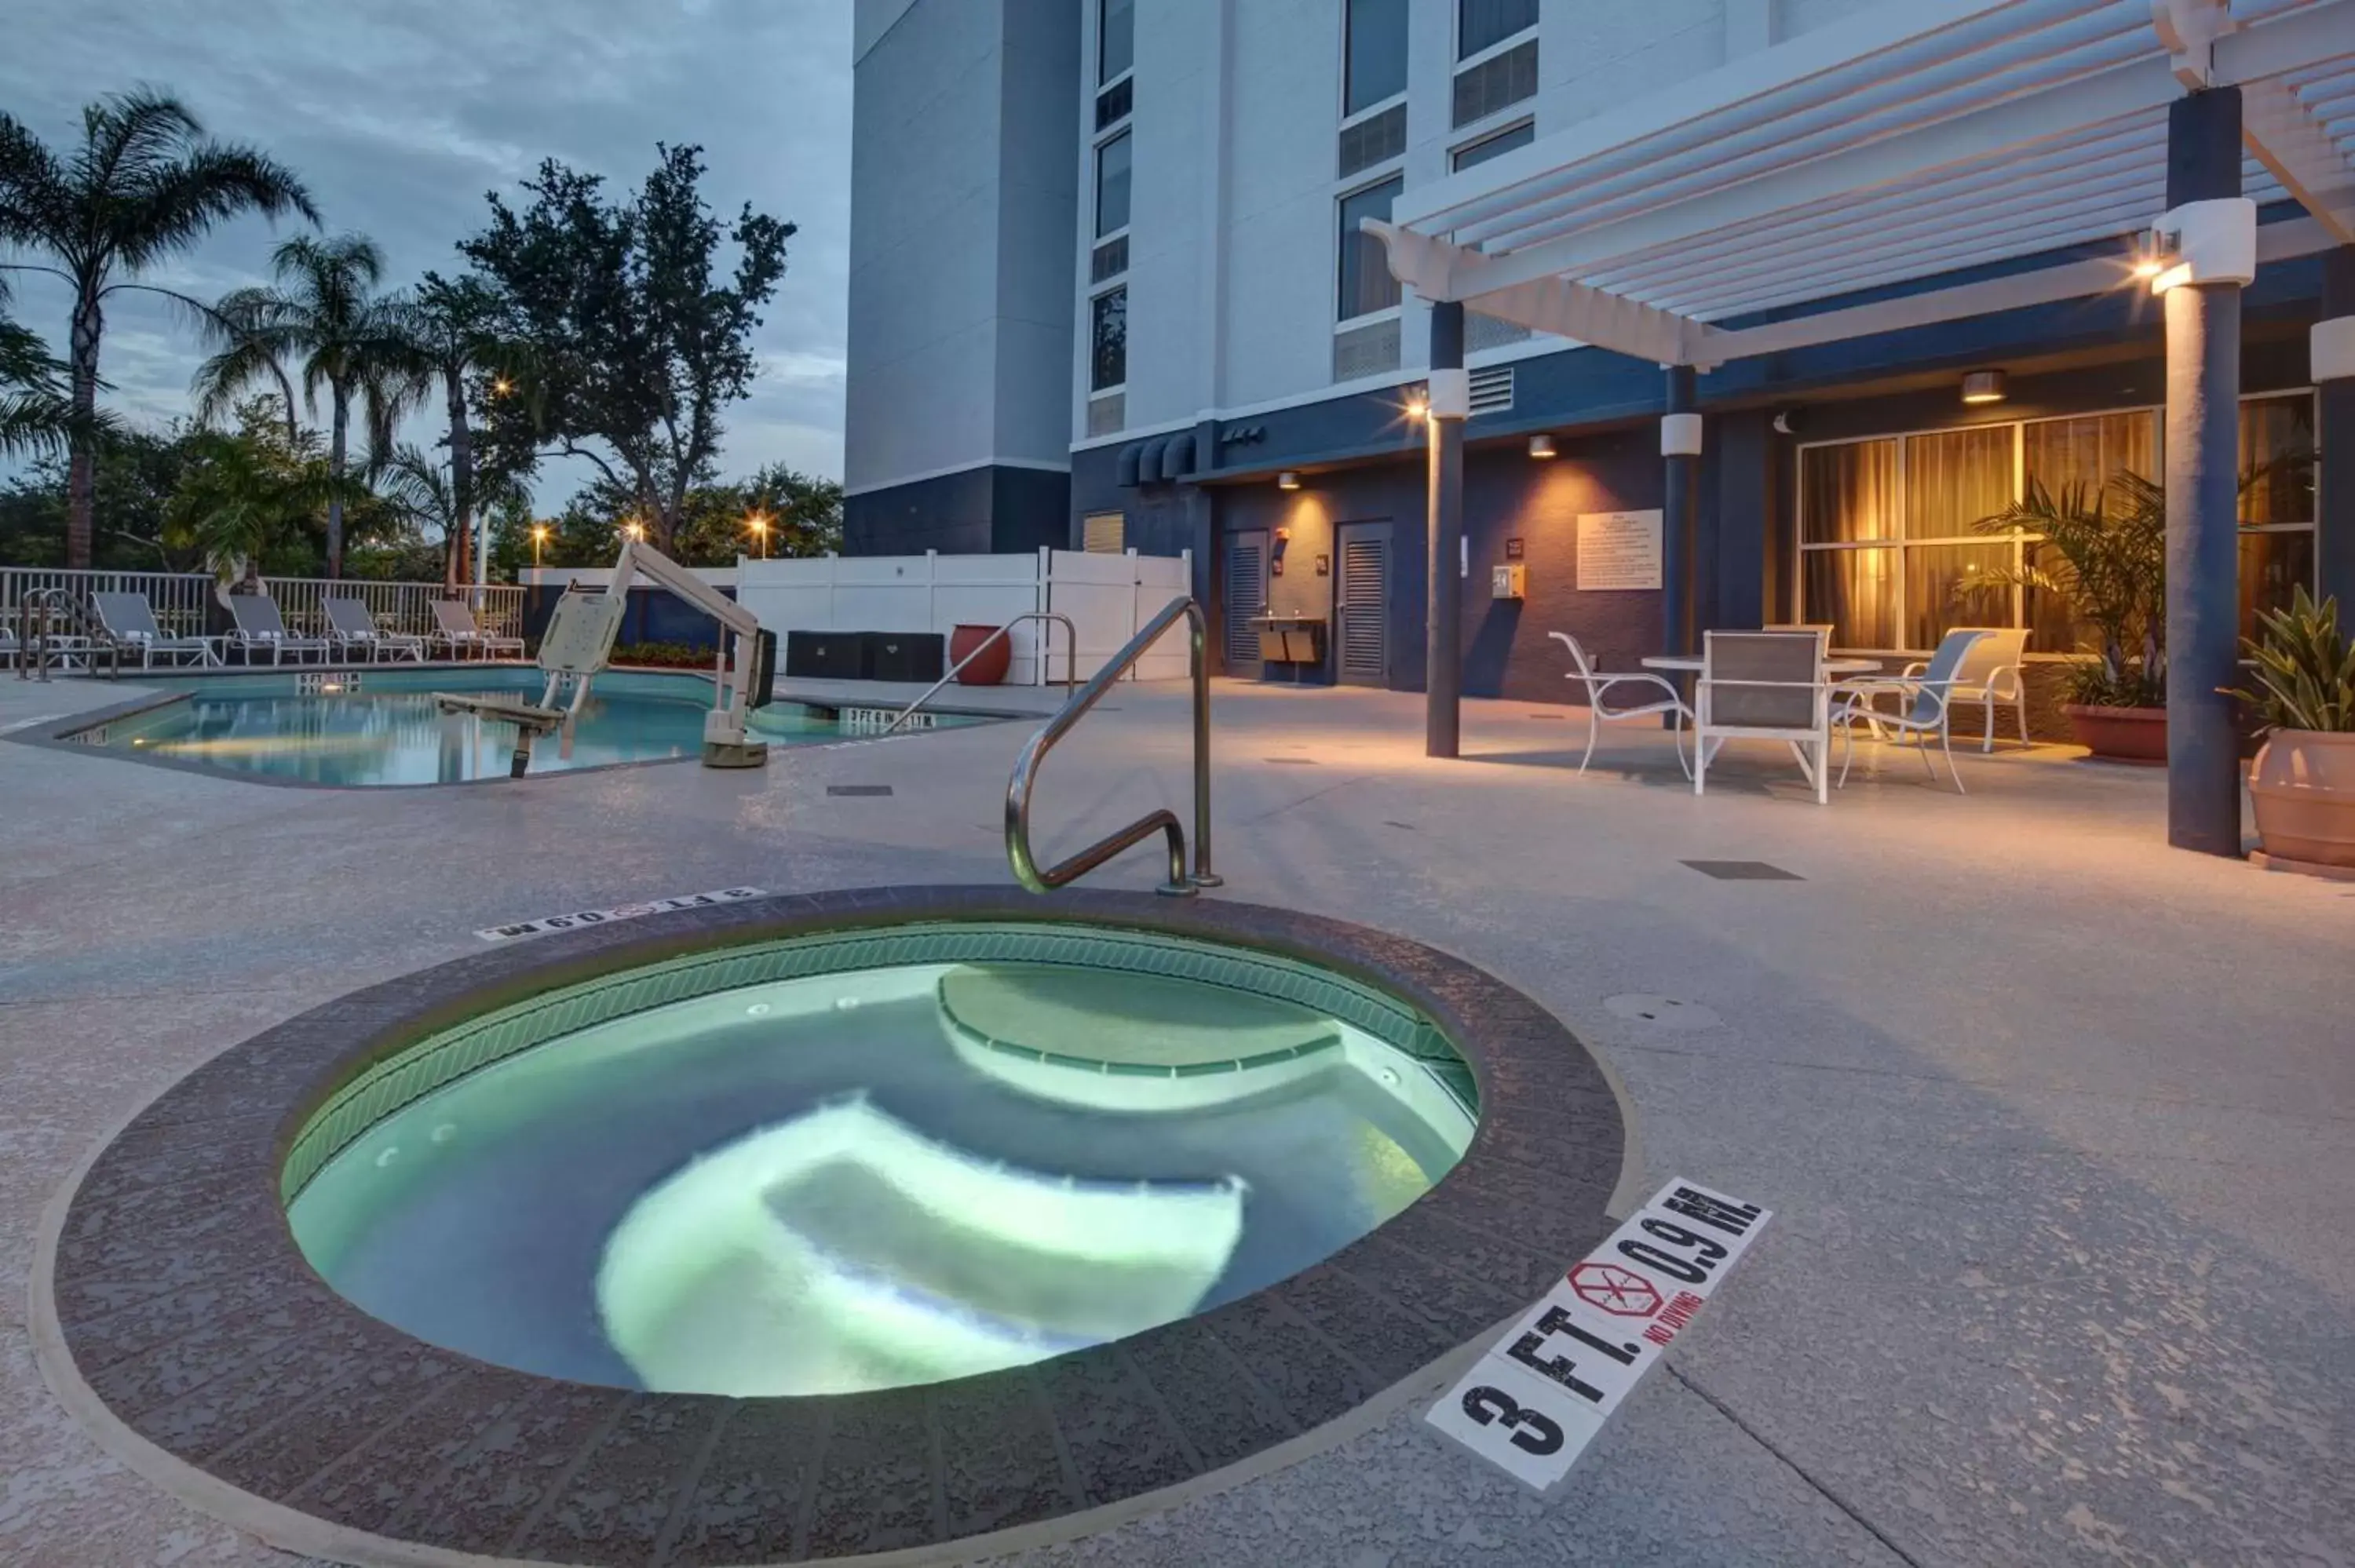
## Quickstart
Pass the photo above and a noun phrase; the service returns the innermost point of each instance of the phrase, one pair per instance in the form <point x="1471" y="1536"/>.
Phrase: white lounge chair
<point x="260" y="625"/>
<point x="457" y="627"/>
<point x="351" y="625"/>
<point x="1925" y="700"/>
<point x="1764" y="685"/>
<point x="1990" y="677"/>
<point x="130" y="623"/>
<point x="1598" y="706"/>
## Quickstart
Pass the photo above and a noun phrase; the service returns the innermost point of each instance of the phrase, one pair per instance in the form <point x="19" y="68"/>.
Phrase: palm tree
<point x="35" y="415"/>
<point x="241" y="499"/>
<point x="427" y="492"/>
<point x="455" y="329"/>
<point x="355" y="343"/>
<point x="146" y="185"/>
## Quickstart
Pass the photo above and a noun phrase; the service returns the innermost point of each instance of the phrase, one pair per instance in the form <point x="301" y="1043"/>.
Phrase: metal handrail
<point x="1164" y="821"/>
<point x="1046" y="652"/>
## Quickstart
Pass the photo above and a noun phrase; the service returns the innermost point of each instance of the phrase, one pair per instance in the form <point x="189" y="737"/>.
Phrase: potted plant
<point x="2104" y="550"/>
<point x="2303" y="780"/>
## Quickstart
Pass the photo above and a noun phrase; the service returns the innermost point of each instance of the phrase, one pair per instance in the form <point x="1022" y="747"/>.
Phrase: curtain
<point x="2091" y="453"/>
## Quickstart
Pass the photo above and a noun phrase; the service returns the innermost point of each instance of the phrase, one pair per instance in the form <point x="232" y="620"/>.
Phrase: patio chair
<point x="1598" y="707"/>
<point x="129" y="623"/>
<point x="1989" y="675"/>
<point x="457" y="627"/>
<point x="1932" y="692"/>
<point x="1764" y="685"/>
<point x="351" y="625"/>
<point x="259" y="626"/>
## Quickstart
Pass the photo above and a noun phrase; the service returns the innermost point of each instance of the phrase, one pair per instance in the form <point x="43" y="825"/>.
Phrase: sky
<point x="401" y="114"/>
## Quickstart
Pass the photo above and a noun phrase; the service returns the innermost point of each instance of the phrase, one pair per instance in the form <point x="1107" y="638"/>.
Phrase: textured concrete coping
<point x="177" y="1316"/>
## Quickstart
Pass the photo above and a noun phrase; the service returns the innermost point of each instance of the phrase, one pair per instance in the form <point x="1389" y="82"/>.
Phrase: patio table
<point x="1693" y="662"/>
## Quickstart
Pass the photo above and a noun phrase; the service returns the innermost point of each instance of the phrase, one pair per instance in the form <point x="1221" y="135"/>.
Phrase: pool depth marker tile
<point x="580" y="917"/>
<point x="1540" y="1395"/>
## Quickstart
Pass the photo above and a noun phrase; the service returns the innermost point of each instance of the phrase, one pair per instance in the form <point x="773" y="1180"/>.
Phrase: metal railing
<point x="1181" y="883"/>
<point x="1046" y="650"/>
<point x="183" y="600"/>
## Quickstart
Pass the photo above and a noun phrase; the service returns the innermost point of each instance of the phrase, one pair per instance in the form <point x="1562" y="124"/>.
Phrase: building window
<point x="1116" y="39"/>
<point x="1484" y="24"/>
<point x="1886" y="524"/>
<point x="1496" y="83"/>
<point x="1103" y="534"/>
<point x="1108" y="341"/>
<point x="1111" y="185"/>
<point x="1373" y="54"/>
<point x="1474" y="153"/>
<point x="1367" y="285"/>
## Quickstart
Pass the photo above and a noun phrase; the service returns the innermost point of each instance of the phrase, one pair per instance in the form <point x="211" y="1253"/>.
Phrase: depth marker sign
<point x="620" y="912"/>
<point x="1537" y="1399"/>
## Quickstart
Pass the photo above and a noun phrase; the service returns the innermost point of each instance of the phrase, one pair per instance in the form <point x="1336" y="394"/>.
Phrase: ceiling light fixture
<point x="1983" y="387"/>
<point x="1541" y="446"/>
<point x="1287" y="480"/>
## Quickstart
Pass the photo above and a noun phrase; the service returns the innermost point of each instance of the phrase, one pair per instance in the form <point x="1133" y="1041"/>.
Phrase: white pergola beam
<point x="2297" y="150"/>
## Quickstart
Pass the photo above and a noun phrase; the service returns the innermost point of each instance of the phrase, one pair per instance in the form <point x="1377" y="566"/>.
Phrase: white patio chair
<point x="351" y="625"/>
<point x="1930" y="694"/>
<point x="1764" y="685"/>
<point x="457" y="627"/>
<point x="1990" y="676"/>
<point x="260" y="625"/>
<point x="1599" y="710"/>
<point x="129" y="621"/>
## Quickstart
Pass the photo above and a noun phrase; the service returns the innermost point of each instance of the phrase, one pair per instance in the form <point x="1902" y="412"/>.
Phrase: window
<point x="1104" y="533"/>
<point x="1488" y="148"/>
<point x="1108" y="341"/>
<point x="1116" y="38"/>
<point x="1115" y="102"/>
<point x="1886" y="534"/>
<point x="1373" y="53"/>
<point x="1497" y="83"/>
<point x="1111" y="185"/>
<point x="1367" y="285"/>
<point x="1484" y="24"/>
<point x="1376" y="139"/>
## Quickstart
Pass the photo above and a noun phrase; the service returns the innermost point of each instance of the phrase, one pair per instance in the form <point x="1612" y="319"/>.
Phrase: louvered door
<point x="1246" y="598"/>
<point x="1361" y="599"/>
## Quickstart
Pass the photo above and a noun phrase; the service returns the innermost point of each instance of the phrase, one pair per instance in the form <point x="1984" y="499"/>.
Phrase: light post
<point x="538" y="537"/>
<point x="759" y="523"/>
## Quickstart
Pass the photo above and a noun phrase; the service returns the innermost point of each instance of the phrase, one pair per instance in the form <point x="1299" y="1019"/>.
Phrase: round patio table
<point x="1693" y="662"/>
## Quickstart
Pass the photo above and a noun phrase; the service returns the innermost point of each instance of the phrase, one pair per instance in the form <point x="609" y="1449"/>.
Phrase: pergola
<point x="1920" y="140"/>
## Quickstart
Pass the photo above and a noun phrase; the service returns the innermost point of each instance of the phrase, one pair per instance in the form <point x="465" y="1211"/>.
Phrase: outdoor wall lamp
<point x="1287" y="480"/>
<point x="1983" y="387"/>
<point x="1541" y="446"/>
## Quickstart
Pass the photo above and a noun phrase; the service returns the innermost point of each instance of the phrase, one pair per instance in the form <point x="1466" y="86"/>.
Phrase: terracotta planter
<point x="2120" y="735"/>
<point x="991" y="667"/>
<point x="2303" y="785"/>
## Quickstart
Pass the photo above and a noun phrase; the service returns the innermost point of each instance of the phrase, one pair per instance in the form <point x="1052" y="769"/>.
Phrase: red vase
<point x="991" y="667"/>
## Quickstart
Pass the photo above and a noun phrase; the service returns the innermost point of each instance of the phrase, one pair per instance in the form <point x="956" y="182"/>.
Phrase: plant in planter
<point x="2105" y="553"/>
<point x="2303" y="780"/>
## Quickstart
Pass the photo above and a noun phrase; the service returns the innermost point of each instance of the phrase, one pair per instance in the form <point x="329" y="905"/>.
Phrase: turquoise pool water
<point x="382" y="726"/>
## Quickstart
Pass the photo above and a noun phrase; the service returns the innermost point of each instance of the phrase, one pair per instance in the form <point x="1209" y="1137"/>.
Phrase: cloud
<point x="402" y="117"/>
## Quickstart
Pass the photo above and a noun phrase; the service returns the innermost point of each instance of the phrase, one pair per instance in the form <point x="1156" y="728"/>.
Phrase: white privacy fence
<point x="180" y="599"/>
<point x="1107" y="597"/>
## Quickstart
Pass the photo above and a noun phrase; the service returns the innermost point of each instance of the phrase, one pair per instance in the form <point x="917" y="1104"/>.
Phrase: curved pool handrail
<point x="1046" y="652"/>
<point x="1026" y="870"/>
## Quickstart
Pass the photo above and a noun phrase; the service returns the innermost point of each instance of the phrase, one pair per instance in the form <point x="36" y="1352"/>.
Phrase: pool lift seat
<point x="580" y="641"/>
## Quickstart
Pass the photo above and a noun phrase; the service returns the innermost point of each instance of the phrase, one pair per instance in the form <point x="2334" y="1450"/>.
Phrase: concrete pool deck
<point x="2059" y="1124"/>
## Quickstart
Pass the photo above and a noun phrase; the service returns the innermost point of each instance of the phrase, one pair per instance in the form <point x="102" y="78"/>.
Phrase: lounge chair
<point x="351" y="627"/>
<point x="1990" y="677"/>
<point x="1925" y="697"/>
<point x="129" y="621"/>
<point x="260" y="625"/>
<point x="458" y="627"/>
<point x="1764" y="685"/>
<point x="1598" y="707"/>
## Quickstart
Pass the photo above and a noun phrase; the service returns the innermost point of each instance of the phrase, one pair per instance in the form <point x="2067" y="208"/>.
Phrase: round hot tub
<point x="807" y="1227"/>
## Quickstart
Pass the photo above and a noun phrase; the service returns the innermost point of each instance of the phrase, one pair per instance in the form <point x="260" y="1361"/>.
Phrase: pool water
<point x="857" y="1180"/>
<point x="379" y="728"/>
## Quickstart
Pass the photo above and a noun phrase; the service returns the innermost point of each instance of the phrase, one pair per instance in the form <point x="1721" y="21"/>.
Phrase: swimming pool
<point x="369" y="727"/>
<point x="856" y="1164"/>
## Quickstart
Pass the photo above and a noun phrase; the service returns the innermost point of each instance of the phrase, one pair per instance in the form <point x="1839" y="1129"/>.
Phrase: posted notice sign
<point x="1541" y="1392"/>
<point x="1618" y="550"/>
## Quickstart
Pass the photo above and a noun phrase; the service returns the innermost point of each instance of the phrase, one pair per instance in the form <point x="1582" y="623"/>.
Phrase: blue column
<point x="2334" y="343"/>
<point x="2203" y="460"/>
<point x="1680" y="510"/>
<point x="1443" y="644"/>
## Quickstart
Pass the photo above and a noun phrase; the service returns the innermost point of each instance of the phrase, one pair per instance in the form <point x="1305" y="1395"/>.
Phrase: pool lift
<point x="580" y="639"/>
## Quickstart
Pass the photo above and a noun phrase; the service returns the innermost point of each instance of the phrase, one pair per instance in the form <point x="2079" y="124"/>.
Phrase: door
<point x="1246" y="598"/>
<point x="1362" y="605"/>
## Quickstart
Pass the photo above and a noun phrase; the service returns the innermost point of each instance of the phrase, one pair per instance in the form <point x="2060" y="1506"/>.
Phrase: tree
<point x="245" y="498"/>
<point x="802" y="514"/>
<point x="35" y="414"/>
<point x="358" y="344"/>
<point x="425" y="492"/>
<point x="639" y="348"/>
<point x="146" y="185"/>
<point x="455" y="329"/>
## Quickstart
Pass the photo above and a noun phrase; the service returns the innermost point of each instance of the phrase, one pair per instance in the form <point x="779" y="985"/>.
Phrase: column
<point x="1451" y="405"/>
<point x="2202" y="455"/>
<point x="2332" y="360"/>
<point x="1680" y="441"/>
